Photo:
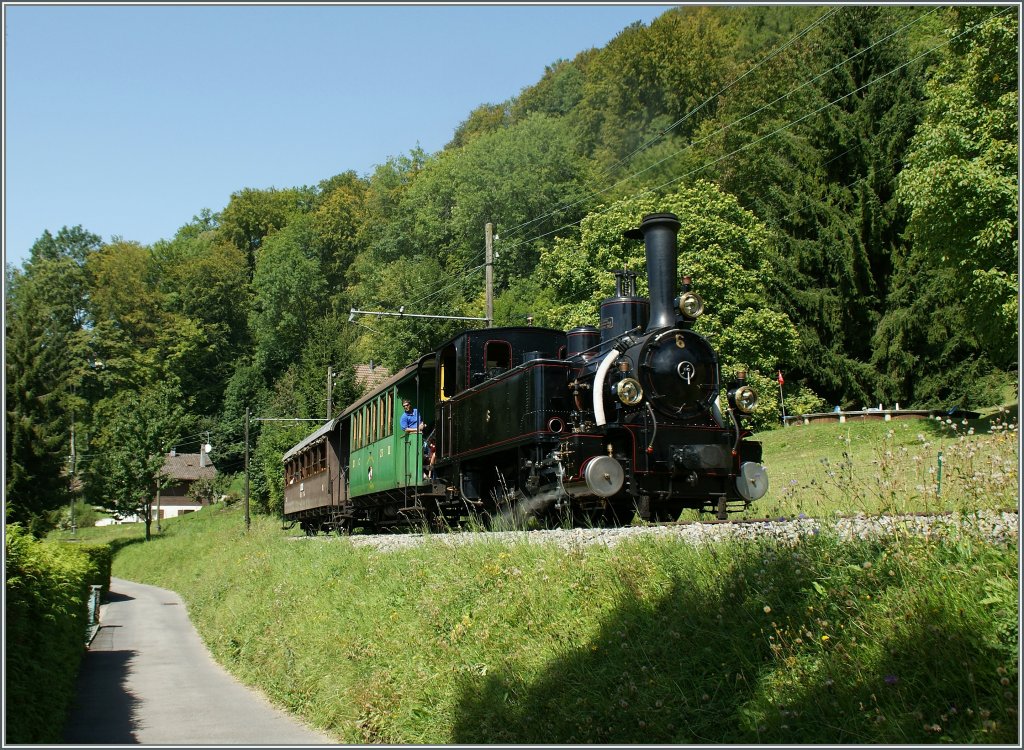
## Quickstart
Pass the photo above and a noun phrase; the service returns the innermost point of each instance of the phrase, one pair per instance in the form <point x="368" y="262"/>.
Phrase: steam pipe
<point x="602" y="373"/>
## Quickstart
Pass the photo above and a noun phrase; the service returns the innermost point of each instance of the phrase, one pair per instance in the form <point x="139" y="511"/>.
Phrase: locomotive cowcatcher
<point x="593" y="426"/>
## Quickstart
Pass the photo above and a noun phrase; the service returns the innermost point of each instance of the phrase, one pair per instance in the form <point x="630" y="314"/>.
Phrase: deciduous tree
<point x="960" y="182"/>
<point x="137" y="429"/>
<point x="721" y="245"/>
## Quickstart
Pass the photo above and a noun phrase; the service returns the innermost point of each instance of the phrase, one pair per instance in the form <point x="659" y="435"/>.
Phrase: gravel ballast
<point x="996" y="527"/>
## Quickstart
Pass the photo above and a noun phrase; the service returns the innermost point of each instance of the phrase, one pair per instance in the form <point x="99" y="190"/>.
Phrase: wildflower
<point x="891" y="679"/>
<point x="825" y="638"/>
<point x="767" y="609"/>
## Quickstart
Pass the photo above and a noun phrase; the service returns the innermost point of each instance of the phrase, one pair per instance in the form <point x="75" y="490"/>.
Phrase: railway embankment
<point x="815" y="636"/>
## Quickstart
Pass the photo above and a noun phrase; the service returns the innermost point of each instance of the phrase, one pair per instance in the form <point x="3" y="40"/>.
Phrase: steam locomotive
<point x="593" y="426"/>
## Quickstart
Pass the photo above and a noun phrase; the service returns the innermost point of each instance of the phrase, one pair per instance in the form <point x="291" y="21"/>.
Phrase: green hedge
<point x="47" y="592"/>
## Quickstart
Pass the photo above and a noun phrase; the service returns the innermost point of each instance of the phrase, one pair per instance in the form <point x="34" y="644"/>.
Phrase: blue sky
<point x="130" y="120"/>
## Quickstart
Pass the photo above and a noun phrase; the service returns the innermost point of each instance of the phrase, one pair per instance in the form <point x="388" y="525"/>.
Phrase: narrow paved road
<point x="148" y="679"/>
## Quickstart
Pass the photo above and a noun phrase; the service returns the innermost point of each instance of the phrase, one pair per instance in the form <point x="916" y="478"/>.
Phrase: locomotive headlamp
<point x="743" y="398"/>
<point x="691" y="305"/>
<point x="629" y="391"/>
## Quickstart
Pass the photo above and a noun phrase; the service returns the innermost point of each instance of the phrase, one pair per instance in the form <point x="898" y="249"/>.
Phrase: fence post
<point x="93" y="624"/>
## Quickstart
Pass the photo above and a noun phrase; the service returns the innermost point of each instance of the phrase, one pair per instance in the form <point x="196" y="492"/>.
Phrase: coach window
<point x="390" y="416"/>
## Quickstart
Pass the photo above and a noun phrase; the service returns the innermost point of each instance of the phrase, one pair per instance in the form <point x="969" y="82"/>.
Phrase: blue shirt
<point x="410" y="421"/>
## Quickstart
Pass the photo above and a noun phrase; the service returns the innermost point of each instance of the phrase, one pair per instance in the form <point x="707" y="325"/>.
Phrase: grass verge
<point x="903" y="466"/>
<point x="903" y="640"/>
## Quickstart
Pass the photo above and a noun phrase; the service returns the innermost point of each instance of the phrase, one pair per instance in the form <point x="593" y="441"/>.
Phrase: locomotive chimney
<point x="658" y="231"/>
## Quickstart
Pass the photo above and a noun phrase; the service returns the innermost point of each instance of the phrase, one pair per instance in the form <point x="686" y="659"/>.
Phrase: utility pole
<point x="247" y="468"/>
<point x="782" y="400"/>
<point x="489" y="272"/>
<point x="330" y="387"/>
<point x="73" y="468"/>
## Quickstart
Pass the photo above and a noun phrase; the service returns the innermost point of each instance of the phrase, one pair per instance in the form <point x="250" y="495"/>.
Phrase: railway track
<point x="995" y="526"/>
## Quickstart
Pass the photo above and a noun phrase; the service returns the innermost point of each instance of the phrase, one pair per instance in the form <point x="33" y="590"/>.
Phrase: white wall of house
<point x="168" y="511"/>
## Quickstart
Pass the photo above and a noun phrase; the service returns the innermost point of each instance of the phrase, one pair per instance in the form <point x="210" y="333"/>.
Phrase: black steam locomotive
<point x="592" y="426"/>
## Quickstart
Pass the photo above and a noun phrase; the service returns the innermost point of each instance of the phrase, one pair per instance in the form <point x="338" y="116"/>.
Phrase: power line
<point x="758" y="140"/>
<point x="806" y="30"/>
<point x="802" y="33"/>
<point x="821" y="19"/>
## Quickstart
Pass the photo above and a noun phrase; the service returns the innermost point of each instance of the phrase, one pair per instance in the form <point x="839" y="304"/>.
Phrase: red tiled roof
<point x="370" y="376"/>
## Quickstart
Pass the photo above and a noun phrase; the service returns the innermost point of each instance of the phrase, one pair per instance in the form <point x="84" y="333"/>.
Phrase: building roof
<point x="370" y="376"/>
<point x="185" y="467"/>
<point x="321" y="431"/>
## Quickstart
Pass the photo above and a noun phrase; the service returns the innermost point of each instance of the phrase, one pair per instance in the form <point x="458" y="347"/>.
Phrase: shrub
<point x="46" y="586"/>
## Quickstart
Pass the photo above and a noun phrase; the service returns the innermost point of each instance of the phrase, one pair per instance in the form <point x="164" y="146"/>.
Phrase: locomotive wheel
<point x="481" y="519"/>
<point x="621" y="516"/>
<point x="592" y="518"/>
<point x="665" y="515"/>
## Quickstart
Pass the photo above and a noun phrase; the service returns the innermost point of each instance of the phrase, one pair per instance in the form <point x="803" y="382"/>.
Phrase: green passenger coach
<point x="382" y="457"/>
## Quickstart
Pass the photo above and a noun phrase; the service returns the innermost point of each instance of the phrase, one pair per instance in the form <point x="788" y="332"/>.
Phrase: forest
<point x="846" y="178"/>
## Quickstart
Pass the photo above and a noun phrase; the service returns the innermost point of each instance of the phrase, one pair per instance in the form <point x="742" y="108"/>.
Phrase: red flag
<point x="781" y="381"/>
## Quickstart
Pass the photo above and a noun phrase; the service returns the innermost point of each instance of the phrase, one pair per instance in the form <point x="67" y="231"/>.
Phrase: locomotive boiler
<point x="597" y="425"/>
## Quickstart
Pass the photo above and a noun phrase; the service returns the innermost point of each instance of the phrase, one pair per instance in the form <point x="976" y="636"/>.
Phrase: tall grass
<point x="904" y="466"/>
<point x="895" y="640"/>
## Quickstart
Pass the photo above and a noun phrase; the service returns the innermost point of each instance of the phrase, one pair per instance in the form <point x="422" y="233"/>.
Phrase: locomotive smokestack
<point x="658" y="231"/>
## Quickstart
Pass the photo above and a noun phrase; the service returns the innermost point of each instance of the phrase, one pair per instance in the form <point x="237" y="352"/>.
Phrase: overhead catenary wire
<point x="806" y="30"/>
<point x="462" y="279"/>
<point x="803" y="32"/>
<point x="821" y="19"/>
<point x="758" y="140"/>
